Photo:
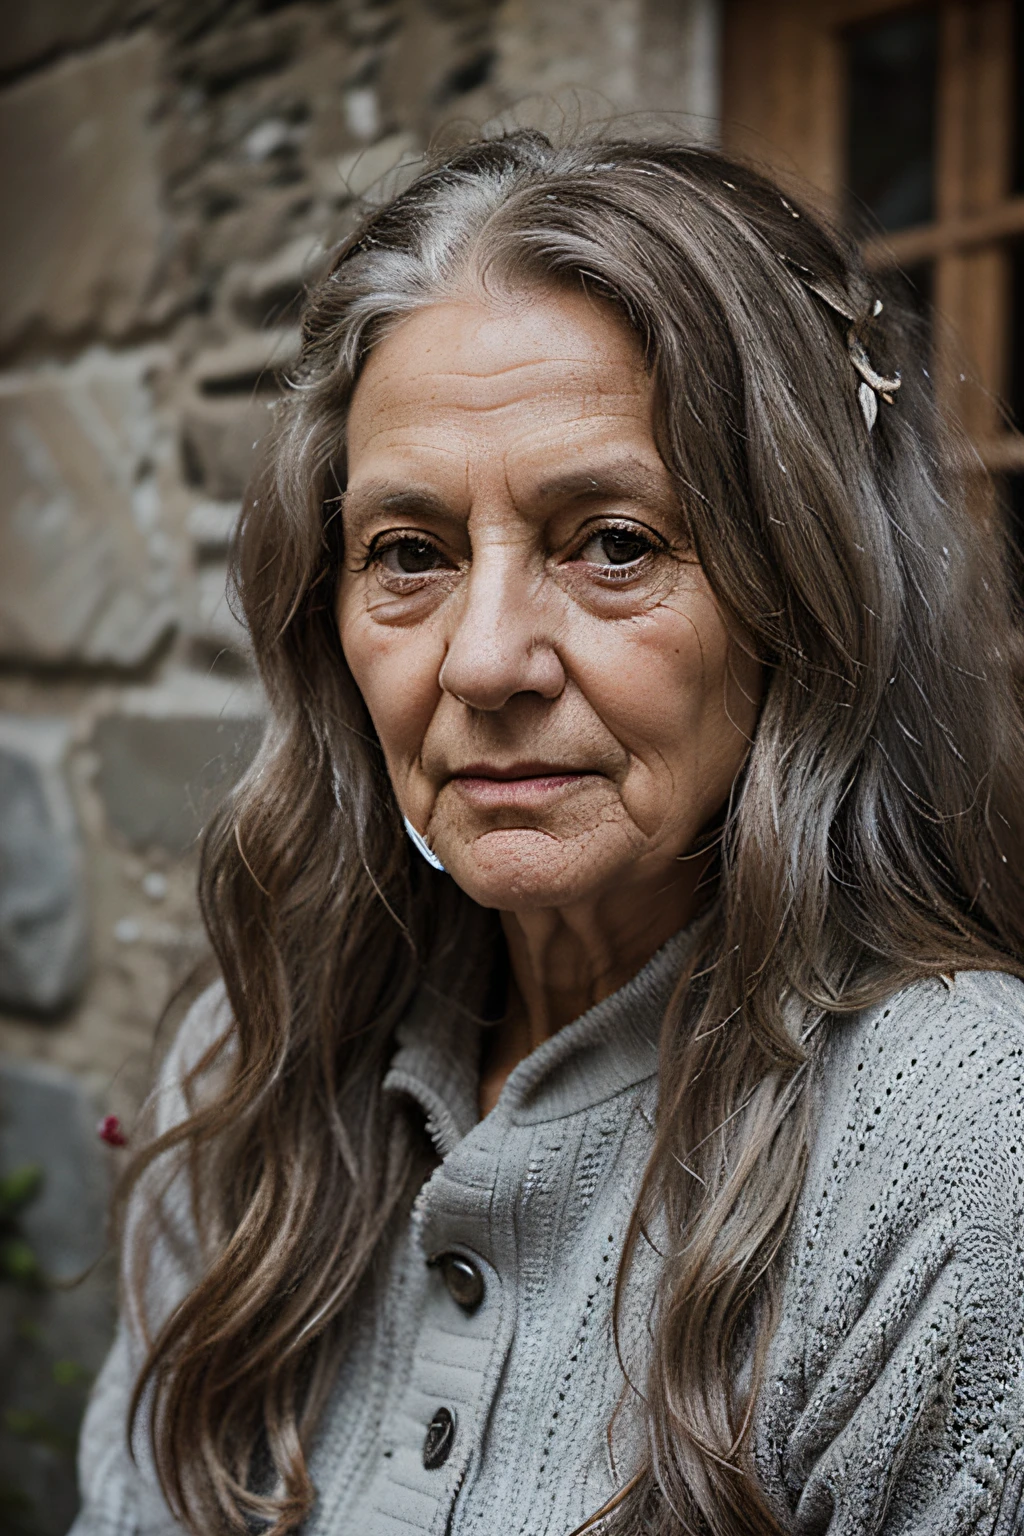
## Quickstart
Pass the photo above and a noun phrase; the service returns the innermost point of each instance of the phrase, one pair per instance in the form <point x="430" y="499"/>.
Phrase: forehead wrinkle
<point x="552" y="360"/>
<point x="582" y="373"/>
<point x="422" y="407"/>
<point x="398" y="440"/>
<point x="458" y="408"/>
<point x="534" y="426"/>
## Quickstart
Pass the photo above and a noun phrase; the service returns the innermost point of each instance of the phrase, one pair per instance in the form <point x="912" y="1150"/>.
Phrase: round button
<point x="440" y="1438"/>
<point x="464" y="1281"/>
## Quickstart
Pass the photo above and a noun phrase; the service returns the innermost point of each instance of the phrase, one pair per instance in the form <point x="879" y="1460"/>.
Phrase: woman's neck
<point x="562" y="962"/>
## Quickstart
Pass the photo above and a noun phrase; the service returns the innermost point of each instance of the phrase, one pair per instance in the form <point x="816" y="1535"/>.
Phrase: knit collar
<point x="611" y="1047"/>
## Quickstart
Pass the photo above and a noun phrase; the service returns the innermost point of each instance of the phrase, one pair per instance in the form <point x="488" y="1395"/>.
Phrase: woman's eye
<point x="410" y="557"/>
<point x="616" y="546"/>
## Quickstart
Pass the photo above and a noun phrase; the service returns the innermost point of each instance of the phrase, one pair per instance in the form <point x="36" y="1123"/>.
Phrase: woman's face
<point x="558" y="701"/>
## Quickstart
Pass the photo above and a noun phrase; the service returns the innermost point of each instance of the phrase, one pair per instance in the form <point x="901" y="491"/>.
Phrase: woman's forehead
<point x="542" y="389"/>
<point x="497" y="355"/>
<point x="490" y="331"/>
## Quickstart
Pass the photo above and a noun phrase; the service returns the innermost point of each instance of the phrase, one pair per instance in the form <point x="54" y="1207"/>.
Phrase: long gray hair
<point x="874" y="835"/>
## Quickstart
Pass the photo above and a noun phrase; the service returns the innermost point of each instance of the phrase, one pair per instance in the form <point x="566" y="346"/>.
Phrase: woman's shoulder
<point x="206" y="1025"/>
<point x="933" y="1076"/>
<point x="207" y="1020"/>
<point x="895" y="1372"/>
<point x="916" y="1158"/>
<point x="954" y="1028"/>
<point x="966" y="1000"/>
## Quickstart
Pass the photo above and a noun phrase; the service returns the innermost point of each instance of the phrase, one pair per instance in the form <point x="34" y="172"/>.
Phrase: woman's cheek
<point x="663" y="693"/>
<point x="669" y="671"/>
<point x="397" y="677"/>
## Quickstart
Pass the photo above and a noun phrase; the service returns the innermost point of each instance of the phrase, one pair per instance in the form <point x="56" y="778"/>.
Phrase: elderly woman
<point x="611" y="1117"/>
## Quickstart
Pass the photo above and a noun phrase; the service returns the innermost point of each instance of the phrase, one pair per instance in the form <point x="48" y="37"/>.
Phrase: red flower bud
<point x="109" y="1130"/>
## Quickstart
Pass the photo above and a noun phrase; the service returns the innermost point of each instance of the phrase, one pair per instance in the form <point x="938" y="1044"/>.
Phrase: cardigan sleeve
<point x="896" y="1404"/>
<point x="120" y="1492"/>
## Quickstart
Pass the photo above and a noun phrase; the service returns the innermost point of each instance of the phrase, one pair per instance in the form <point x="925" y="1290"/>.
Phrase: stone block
<point x="681" y="64"/>
<point x="211" y="526"/>
<point x="43" y="939"/>
<point x="248" y="362"/>
<point x="265" y="292"/>
<point x="169" y="754"/>
<point x="83" y="224"/>
<point x="85" y="570"/>
<point x="219" y="441"/>
<point x="227" y="55"/>
<point x="256" y="227"/>
<point x="228" y="410"/>
<point x="373" y="174"/>
<point x="573" y="65"/>
<point x="589" y="48"/>
<point x="53" y="1336"/>
<point x="37" y="30"/>
<point x="47" y="1120"/>
<point x="214" y="626"/>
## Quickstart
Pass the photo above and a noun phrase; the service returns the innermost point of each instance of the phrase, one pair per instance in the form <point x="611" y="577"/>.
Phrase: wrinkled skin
<point x="560" y="704"/>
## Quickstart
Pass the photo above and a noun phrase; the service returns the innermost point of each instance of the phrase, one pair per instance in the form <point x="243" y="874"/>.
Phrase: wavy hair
<point x="872" y="838"/>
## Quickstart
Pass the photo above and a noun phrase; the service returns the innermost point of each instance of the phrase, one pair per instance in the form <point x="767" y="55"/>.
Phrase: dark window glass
<point x="891" y="77"/>
<point x="1018" y="95"/>
<point x="907" y="324"/>
<point x="1010" y="488"/>
<point x="1015" y="362"/>
<point x="912" y="292"/>
<point x="1010" y="493"/>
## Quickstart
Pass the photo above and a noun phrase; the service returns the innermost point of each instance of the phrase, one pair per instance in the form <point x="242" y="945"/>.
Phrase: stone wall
<point x="170" y="174"/>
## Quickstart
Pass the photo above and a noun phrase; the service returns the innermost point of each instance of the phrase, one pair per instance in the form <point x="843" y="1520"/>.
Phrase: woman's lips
<point x="491" y="791"/>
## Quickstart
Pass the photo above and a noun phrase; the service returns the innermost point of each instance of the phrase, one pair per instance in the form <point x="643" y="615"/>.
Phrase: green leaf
<point x="17" y="1514"/>
<point x="19" y="1187"/>
<point x="19" y="1420"/>
<point x="13" y="1501"/>
<point x="18" y="1262"/>
<point x="68" y="1373"/>
<point x="38" y="1430"/>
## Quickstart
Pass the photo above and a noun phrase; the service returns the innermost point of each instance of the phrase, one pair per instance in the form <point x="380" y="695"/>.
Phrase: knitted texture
<point x="894" y="1396"/>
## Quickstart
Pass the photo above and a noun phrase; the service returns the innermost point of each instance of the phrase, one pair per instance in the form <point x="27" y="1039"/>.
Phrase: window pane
<point x="891" y="75"/>
<point x="1010" y="494"/>
<point x="1018" y="103"/>
<point x="912" y="289"/>
<point x="1015" y="380"/>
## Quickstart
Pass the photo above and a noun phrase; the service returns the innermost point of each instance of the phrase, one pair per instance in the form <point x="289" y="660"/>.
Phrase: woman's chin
<point x="523" y="868"/>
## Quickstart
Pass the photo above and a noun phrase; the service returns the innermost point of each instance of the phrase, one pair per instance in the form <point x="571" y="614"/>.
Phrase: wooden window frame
<point x="783" y="103"/>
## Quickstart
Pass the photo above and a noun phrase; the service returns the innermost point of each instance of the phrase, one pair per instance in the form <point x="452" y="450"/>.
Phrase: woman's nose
<point x="502" y="642"/>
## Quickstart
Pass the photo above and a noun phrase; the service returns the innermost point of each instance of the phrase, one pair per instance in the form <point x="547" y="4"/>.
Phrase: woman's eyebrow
<point x="377" y="497"/>
<point x="631" y="481"/>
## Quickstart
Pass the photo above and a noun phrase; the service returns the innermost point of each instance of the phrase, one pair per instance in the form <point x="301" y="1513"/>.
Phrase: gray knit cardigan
<point x="894" y="1395"/>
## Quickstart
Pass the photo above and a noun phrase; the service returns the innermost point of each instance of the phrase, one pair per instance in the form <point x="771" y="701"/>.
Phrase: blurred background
<point x="171" y="174"/>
